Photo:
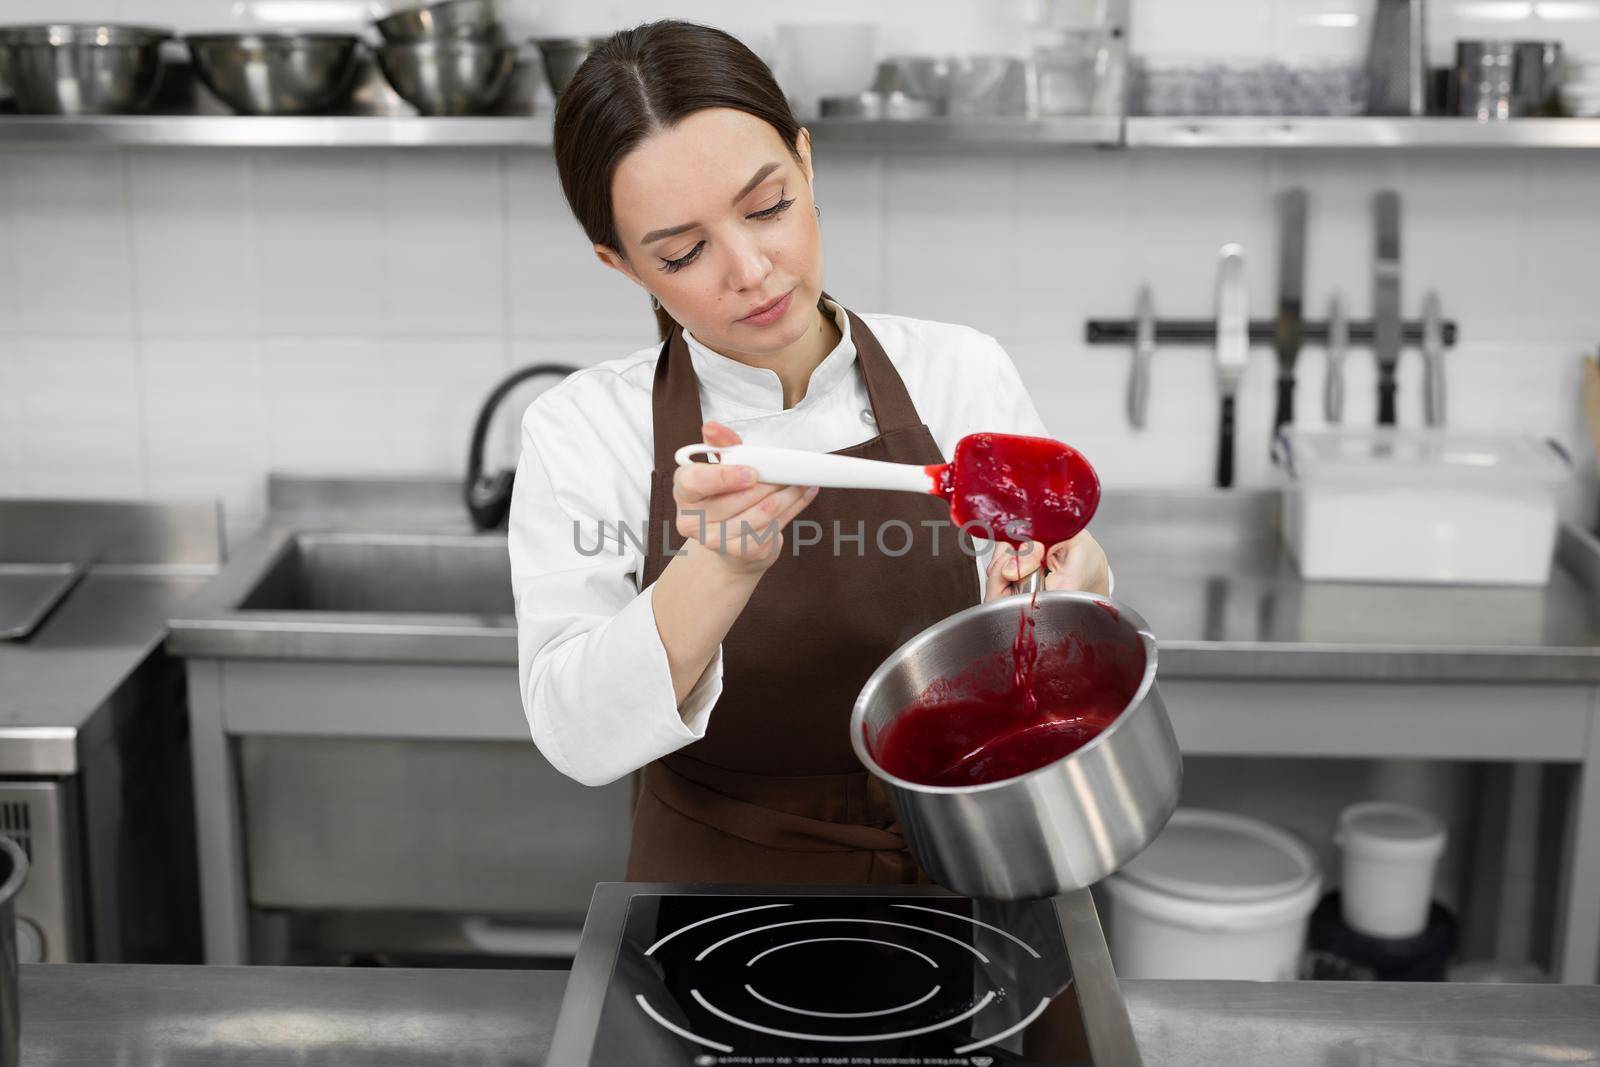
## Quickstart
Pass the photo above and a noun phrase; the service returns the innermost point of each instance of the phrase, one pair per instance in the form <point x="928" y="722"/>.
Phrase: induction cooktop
<point x="716" y="976"/>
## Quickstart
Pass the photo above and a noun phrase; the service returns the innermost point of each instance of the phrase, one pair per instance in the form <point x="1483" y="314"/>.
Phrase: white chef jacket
<point x="596" y="687"/>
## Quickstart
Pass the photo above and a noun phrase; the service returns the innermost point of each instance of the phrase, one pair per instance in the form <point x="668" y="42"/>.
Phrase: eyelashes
<point x="672" y="266"/>
<point x="775" y="210"/>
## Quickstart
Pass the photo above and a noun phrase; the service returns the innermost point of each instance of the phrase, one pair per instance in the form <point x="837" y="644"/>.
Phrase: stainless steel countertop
<point x="1206" y="568"/>
<point x="55" y="686"/>
<point x="97" y="1014"/>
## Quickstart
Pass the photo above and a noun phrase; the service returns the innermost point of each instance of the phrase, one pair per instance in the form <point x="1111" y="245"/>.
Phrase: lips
<point x="769" y="312"/>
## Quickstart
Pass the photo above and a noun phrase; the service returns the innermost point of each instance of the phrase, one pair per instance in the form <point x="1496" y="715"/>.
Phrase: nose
<point x="749" y="264"/>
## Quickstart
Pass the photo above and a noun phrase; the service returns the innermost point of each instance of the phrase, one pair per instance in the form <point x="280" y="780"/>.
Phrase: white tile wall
<point x="320" y="230"/>
<point x="184" y="322"/>
<point x="69" y="248"/>
<point x="206" y="427"/>
<point x="194" y="242"/>
<point x="77" y="416"/>
<point x="176" y="322"/>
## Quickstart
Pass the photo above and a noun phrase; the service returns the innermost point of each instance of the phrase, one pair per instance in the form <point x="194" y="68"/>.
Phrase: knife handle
<point x="1285" y="413"/>
<point x="1386" y="400"/>
<point x="1139" y="388"/>
<point x="1432" y="362"/>
<point x="1338" y="342"/>
<point x="1225" y="445"/>
<point x="1433" y="388"/>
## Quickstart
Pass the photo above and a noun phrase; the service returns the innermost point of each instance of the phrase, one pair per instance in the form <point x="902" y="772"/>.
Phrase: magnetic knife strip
<point x="1262" y="332"/>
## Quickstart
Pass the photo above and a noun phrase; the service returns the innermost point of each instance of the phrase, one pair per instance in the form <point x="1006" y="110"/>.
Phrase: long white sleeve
<point x="596" y="686"/>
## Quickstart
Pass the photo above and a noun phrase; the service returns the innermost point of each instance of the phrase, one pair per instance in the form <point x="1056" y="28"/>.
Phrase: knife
<point x="1338" y="345"/>
<point x="1233" y="349"/>
<point x="1432" y="361"/>
<point x="1287" y="334"/>
<point x="1386" y="300"/>
<point x="1144" y="347"/>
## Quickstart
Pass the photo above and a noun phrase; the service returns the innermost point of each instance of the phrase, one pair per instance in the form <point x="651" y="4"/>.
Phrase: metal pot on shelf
<point x="1065" y="825"/>
<point x="1497" y="80"/>
<point x="277" y="73"/>
<point x="81" y="68"/>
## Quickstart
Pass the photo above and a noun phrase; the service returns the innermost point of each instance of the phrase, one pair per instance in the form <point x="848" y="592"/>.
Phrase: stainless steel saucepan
<point x="1063" y="826"/>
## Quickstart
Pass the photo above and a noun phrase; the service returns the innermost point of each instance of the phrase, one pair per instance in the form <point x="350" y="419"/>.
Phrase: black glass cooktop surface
<point x="714" y="980"/>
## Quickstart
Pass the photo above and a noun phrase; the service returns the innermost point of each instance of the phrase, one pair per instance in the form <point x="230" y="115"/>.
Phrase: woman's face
<point x="717" y="222"/>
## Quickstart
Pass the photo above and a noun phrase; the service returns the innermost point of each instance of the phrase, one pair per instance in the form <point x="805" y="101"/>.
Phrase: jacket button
<point x="868" y="417"/>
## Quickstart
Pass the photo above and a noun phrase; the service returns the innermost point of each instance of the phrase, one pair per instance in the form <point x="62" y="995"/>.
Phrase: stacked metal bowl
<point x="562" y="56"/>
<point x="447" y="58"/>
<point x="81" y="68"/>
<point x="277" y="72"/>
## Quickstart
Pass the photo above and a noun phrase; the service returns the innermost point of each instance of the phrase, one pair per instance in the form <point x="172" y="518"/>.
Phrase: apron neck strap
<point x="886" y="391"/>
<point x="674" y="400"/>
<point x="675" y="397"/>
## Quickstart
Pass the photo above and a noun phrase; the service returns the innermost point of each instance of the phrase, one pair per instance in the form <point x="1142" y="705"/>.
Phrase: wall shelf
<point x="364" y="131"/>
<point x="1357" y="132"/>
<point x="960" y="135"/>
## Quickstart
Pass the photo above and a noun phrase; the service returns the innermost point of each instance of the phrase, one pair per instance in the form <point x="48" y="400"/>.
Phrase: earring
<point x="655" y="305"/>
<point x="818" y="209"/>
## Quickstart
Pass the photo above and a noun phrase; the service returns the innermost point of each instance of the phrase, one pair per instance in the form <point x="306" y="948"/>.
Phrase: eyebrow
<point x="672" y="231"/>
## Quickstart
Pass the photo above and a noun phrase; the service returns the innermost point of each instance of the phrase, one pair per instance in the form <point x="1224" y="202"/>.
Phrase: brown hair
<point x="640" y="81"/>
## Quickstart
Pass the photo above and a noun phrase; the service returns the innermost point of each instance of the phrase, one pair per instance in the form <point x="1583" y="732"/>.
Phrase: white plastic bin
<point x="1389" y="853"/>
<point x="1217" y="896"/>
<point x="1392" y="505"/>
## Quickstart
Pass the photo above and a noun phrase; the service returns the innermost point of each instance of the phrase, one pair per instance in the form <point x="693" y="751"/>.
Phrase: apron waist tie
<point x="783" y="813"/>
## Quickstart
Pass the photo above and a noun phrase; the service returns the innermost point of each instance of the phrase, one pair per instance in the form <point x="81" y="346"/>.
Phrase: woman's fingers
<point x="695" y="482"/>
<point x="792" y="512"/>
<point x="714" y="433"/>
<point x="752" y="532"/>
<point x="1018" y="561"/>
<point x="1009" y="566"/>
<point x="1079" y="563"/>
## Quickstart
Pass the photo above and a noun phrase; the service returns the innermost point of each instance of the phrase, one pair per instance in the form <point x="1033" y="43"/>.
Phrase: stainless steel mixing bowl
<point x="454" y="76"/>
<point x="562" y="57"/>
<point x="81" y="68"/>
<point x="277" y="73"/>
<point x="448" y="18"/>
<point x="1065" y="825"/>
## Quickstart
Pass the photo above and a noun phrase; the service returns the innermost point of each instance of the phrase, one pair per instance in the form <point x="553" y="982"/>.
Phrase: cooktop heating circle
<point x="909" y="977"/>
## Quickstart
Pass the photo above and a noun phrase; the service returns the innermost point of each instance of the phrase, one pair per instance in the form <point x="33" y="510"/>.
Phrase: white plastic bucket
<point x="1389" y="854"/>
<point x="1216" y="896"/>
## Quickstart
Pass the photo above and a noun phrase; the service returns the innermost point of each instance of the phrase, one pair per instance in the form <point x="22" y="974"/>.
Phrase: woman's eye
<point x="775" y="210"/>
<point x="672" y="266"/>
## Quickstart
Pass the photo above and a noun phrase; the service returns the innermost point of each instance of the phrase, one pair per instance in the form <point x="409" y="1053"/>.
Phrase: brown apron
<point x="774" y="793"/>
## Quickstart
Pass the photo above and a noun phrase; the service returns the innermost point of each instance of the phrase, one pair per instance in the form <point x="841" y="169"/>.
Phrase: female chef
<point x="692" y="622"/>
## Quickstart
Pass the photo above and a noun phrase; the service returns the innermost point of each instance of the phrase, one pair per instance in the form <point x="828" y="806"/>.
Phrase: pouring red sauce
<point x="1020" y="488"/>
<point x="979" y="727"/>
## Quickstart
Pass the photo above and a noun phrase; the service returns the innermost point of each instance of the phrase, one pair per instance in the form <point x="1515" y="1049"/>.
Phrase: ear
<point x="802" y="146"/>
<point x="617" y="262"/>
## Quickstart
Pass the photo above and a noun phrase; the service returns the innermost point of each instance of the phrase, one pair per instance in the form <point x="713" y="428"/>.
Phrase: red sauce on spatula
<point x="1019" y="488"/>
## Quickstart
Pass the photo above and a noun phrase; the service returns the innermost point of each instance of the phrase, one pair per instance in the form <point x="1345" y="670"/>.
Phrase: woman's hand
<point x="1076" y="564"/>
<point x="722" y="507"/>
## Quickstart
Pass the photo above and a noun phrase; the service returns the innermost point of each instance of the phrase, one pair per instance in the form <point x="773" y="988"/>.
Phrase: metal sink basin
<point x="301" y="594"/>
<point x="387" y="574"/>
